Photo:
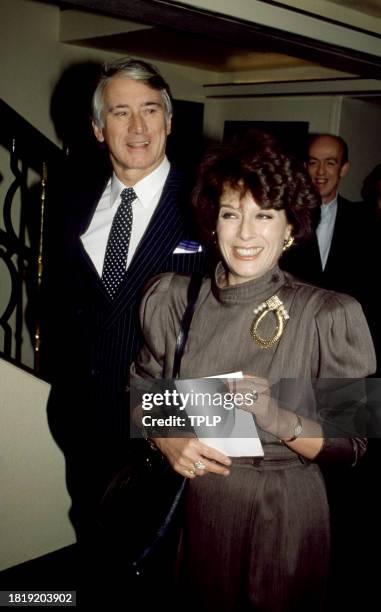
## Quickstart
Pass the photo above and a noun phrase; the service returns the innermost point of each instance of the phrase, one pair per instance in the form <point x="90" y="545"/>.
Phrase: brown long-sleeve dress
<point x="258" y="539"/>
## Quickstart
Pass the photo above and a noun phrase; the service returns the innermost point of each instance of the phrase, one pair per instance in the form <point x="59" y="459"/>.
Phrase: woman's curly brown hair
<point x="259" y="166"/>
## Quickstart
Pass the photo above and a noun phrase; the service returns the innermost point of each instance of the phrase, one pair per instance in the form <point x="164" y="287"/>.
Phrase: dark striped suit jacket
<point x="349" y="251"/>
<point x="96" y="338"/>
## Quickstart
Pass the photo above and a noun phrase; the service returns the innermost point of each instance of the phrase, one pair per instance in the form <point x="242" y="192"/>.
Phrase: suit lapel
<point x="313" y="257"/>
<point x="303" y="261"/>
<point x="88" y="202"/>
<point x="337" y="237"/>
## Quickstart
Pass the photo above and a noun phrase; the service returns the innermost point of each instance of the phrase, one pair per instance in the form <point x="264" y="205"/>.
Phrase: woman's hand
<point x="190" y="457"/>
<point x="278" y="421"/>
<point x="256" y="398"/>
<point x="252" y="394"/>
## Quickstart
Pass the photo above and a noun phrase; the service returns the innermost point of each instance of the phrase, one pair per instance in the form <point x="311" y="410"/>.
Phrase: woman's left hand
<point x="252" y="393"/>
<point x="257" y="400"/>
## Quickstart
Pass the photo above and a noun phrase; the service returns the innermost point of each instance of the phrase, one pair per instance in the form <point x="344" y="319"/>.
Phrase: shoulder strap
<point x="193" y="291"/>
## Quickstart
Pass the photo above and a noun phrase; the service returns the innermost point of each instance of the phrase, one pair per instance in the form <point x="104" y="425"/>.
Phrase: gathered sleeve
<point x="149" y="361"/>
<point x="345" y="351"/>
<point x="345" y="345"/>
<point x="154" y="322"/>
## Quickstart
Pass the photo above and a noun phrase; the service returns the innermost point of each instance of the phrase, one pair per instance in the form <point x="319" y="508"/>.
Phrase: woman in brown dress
<point x="256" y="535"/>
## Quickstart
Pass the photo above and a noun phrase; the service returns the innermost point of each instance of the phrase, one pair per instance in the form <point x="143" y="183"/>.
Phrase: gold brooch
<point x="275" y="305"/>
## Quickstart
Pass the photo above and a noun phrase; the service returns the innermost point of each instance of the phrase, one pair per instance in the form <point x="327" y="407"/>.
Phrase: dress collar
<point x="255" y="291"/>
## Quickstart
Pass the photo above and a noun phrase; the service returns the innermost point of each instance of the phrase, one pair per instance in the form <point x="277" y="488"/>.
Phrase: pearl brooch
<point x="276" y="306"/>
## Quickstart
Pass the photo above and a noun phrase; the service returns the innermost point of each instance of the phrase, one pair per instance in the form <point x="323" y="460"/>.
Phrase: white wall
<point x="34" y="502"/>
<point x="322" y="113"/>
<point x="28" y="59"/>
<point x="32" y="59"/>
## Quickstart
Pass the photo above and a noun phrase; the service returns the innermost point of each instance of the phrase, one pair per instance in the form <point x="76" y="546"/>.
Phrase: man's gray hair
<point x="136" y="70"/>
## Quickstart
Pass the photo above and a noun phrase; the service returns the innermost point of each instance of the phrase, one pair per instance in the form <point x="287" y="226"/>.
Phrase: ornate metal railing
<point x="31" y="155"/>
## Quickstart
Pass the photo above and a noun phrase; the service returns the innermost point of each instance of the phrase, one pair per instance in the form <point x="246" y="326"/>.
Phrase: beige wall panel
<point x="34" y="501"/>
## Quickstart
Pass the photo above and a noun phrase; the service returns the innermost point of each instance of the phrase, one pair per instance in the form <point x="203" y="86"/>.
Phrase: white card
<point x="242" y="438"/>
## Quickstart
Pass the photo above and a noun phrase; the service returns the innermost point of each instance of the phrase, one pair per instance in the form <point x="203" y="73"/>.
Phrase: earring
<point x="288" y="242"/>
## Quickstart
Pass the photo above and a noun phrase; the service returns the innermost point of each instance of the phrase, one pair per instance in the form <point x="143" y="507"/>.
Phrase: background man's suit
<point x="97" y="339"/>
<point x="348" y="267"/>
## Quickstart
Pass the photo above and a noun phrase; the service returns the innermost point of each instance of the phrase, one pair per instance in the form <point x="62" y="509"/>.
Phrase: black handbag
<point x="140" y="512"/>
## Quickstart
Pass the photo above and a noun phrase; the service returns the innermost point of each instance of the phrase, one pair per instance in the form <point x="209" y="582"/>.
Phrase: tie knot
<point x="128" y="195"/>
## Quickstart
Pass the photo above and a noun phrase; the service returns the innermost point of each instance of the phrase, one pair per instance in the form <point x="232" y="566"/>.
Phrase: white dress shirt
<point x="325" y="229"/>
<point x="148" y="192"/>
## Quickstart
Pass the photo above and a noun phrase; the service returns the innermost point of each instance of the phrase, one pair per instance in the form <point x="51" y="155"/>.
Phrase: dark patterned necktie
<point x="114" y="265"/>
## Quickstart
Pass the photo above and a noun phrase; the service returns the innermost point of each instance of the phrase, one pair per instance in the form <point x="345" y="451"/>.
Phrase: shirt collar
<point x="328" y="212"/>
<point x="145" y="189"/>
<point x="330" y="204"/>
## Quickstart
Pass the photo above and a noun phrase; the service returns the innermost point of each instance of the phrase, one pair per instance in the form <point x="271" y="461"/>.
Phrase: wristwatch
<point x="298" y="430"/>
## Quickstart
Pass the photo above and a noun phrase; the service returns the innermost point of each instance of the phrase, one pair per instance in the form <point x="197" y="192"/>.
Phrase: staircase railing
<point x="31" y="157"/>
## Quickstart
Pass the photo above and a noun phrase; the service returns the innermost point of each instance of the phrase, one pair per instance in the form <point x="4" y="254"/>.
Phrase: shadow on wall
<point x="70" y="110"/>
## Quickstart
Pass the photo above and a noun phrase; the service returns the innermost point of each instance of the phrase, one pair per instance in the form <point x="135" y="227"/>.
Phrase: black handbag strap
<point x="192" y="295"/>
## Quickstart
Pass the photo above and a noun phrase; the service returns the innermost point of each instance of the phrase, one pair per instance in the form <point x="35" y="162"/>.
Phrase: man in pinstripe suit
<point x="88" y="408"/>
